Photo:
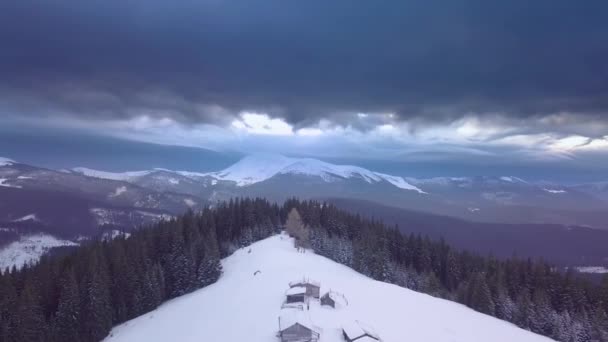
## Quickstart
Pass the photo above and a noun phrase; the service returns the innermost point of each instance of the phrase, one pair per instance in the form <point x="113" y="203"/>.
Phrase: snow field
<point x="244" y="307"/>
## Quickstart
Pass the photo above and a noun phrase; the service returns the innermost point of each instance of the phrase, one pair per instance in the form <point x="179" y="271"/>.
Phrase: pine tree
<point x="505" y="307"/>
<point x="179" y="268"/>
<point x="481" y="297"/>
<point x="30" y="323"/>
<point x="97" y="308"/>
<point x="209" y="271"/>
<point x="297" y="229"/>
<point x="67" y="317"/>
<point x="8" y="303"/>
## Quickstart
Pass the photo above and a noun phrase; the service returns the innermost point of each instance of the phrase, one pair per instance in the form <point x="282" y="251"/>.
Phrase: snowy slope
<point x="29" y="249"/>
<point x="6" y="161"/>
<point x="260" y="167"/>
<point x="243" y="307"/>
<point x="118" y="176"/>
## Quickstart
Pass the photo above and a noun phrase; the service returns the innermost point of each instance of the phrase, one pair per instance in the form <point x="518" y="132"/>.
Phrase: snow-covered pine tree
<point x="67" y="317"/>
<point x="30" y="324"/>
<point x="481" y="297"/>
<point x="97" y="306"/>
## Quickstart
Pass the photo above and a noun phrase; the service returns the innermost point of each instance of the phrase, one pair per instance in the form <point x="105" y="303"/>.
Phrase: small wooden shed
<point x="356" y="331"/>
<point x="296" y="328"/>
<point x="313" y="289"/>
<point x="296" y="294"/>
<point x="328" y="300"/>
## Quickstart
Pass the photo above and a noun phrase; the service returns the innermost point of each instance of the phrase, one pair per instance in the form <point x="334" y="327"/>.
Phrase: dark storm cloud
<point x="201" y="61"/>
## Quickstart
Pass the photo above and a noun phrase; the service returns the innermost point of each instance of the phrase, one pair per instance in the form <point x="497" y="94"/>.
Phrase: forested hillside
<point x="79" y="297"/>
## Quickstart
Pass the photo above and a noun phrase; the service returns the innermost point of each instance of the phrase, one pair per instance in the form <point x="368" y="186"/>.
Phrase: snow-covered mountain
<point x="261" y="167"/>
<point x="245" y="305"/>
<point x="505" y="199"/>
<point x="69" y="204"/>
<point x="6" y="161"/>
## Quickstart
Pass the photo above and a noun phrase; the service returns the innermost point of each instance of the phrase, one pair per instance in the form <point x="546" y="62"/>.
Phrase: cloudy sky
<point x="473" y="84"/>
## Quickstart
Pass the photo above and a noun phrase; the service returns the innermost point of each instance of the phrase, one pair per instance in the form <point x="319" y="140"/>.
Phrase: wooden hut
<point x="356" y="331"/>
<point x="313" y="289"/>
<point x="296" y="294"/>
<point x="328" y="300"/>
<point x="295" y="327"/>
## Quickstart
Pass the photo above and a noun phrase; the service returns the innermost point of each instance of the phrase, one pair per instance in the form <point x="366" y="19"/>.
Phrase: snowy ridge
<point x="6" y="161"/>
<point x="118" y="176"/>
<point x="243" y="306"/>
<point x="553" y="191"/>
<point x="257" y="168"/>
<point x="29" y="217"/>
<point x="6" y="185"/>
<point x="29" y="249"/>
<point x="260" y="167"/>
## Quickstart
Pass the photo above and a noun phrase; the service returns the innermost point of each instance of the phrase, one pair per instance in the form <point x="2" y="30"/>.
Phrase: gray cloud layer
<point x="200" y="61"/>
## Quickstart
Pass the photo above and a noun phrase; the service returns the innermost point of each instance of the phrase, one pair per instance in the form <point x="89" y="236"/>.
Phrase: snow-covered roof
<point x="367" y="339"/>
<point x="296" y="290"/>
<point x="291" y="317"/>
<point x="303" y="282"/>
<point x="352" y="329"/>
<point x="355" y="329"/>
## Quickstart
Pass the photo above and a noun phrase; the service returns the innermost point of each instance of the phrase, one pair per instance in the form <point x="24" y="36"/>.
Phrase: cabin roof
<point x="355" y="329"/>
<point x="296" y="290"/>
<point x="291" y="317"/>
<point x="330" y="295"/>
<point x="304" y="282"/>
<point x="366" y="339"/>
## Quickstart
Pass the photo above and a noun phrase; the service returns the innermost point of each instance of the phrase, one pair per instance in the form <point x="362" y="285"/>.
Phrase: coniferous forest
<point x="80" y="296"/>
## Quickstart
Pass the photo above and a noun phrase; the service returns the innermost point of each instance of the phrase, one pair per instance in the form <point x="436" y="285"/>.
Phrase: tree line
<point x="532" y="294"/>
<point x="80" y="296"/>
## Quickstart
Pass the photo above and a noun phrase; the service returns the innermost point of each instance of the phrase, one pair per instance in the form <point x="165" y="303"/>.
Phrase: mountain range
<point x="79" y="203"/>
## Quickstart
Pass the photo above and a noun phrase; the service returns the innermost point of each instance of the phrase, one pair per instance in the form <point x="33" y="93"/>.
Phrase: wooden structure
<point x="356" y="331"/>
<point x="295" y="327"/>
<point x="328" y="300"/>
<point x="296" y="294"/>
<point x="313" y="289"/>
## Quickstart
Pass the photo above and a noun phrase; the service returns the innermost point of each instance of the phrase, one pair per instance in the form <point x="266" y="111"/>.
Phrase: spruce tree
<point x="30" y="323"/>
<point x="67" y="317"/>
<point x="481" y="297"/>
<point x="97" y="306"/>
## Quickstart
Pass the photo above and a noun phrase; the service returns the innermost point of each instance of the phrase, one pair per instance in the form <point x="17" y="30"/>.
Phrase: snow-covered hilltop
<point x="6" y="161"/>
<point x="260" y="167"/>
<point x="244" y="305"/>
<point x="118" y="176"/>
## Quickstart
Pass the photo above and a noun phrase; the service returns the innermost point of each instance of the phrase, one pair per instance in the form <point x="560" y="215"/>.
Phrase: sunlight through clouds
<point x="256" y="123"/>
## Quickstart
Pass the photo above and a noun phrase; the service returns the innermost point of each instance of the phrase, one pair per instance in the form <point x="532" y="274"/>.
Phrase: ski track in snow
<point x="243" y="307"/>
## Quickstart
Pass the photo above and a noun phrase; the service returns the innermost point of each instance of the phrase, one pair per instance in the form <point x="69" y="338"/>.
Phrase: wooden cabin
<point x="297" y="328"/>
<point x="328" y="300"/>
<point x="356" y="331"/>
<point x="296" y="294"/>
<point x="313" y="289"/>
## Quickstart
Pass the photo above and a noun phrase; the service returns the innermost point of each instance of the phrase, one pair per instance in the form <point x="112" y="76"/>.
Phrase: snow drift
<point x="244" y="305"/>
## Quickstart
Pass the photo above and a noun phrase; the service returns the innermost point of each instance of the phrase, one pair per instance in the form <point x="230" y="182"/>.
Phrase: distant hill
<point x="556" y="243"/>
